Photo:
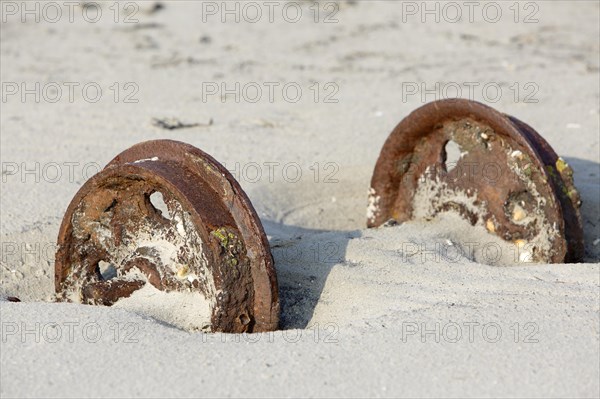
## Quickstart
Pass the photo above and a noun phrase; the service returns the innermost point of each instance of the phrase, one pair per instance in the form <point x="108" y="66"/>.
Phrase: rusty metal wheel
<point x="492" y="169"/>
<point x="165" y="227"/>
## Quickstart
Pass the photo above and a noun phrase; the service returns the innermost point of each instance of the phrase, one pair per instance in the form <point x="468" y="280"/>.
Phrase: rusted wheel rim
<point x="210" y="243"/>
<point x="507" y="178"/>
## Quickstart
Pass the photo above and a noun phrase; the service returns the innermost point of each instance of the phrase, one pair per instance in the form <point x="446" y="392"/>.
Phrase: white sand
<point x="407" y="310"/>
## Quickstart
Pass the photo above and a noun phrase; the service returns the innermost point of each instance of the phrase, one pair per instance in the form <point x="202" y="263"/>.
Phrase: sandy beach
<point x="296" y="99"/>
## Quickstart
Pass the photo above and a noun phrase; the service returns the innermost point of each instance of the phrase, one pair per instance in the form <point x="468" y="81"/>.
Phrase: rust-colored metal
<point x="209" y="241"/>
<point x="507" y="178"/>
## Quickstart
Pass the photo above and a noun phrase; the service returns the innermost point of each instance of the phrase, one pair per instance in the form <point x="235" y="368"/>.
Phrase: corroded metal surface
<point x="208" y="240"/>
<point x="492" y="169"/>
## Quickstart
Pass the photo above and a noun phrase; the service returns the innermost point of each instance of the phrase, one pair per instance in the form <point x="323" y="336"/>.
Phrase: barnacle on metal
<point x="165" y="220"/>
<point x="491" y="168"/>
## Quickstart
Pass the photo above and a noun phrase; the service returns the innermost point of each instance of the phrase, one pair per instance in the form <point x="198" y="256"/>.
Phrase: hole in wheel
<point x="158" y="202"/>
<point x="107" y="270"/>
<point x="244" y="319"/>
<point x="451" y="156"/>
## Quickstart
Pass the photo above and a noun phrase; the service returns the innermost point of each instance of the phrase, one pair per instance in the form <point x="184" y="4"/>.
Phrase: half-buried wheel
<point x="492" y="169"/>
<point x="166" y="229"/>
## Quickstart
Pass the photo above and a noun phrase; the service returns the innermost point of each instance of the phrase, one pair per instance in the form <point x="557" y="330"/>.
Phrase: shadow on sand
<point x="303" y="260"/>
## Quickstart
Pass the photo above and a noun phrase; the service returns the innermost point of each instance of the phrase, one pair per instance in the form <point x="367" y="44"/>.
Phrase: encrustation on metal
<point x="207" y="239"/>
<point x="490" y="168"/>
